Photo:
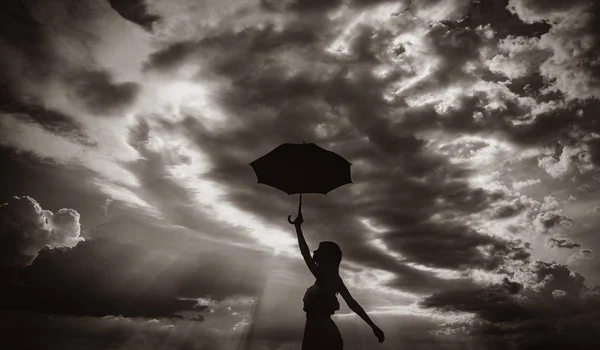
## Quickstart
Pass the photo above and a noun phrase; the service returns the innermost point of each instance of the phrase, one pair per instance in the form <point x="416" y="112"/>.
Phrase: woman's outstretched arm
<point x="304" y="250"/>
<point x="355" y="306"/>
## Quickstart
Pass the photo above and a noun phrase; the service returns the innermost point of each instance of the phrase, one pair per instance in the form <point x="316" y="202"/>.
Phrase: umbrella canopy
<point x="302" y="168"/>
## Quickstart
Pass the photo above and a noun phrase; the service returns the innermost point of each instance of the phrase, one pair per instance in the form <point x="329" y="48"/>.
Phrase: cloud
<point x="163" y="170"/>
<point x="557" y="294"/>
<point x="550" y="294"/>
<point x="135" y="11"/>
<point x="544" y="277"/>
<point x="493" y="304"/>
<point x="27" y="228"/>
<point x="546" y="215"/>
<point x="518" y="57"/>
<point x="375" y="203"/>
<point x="573" y="39"/>
<point x="557" y="242"/>
<point x="51" y="120"/>
<point x="528" y="214"/>
<point x="505" y="23"/>
<point x="570" y="157"/>
<point x="580" y="256"/>
<point x="48" y="61"/>
<point x="538" y="10"/>
<point x="303" y="5"/>
<point x="594" y="145"/>
<point x="94" y="333"/>
<point x="99" y="94"/>
<point x="82" y="280"/>
<point x="518" y="185"/>
<point x="342" y="102"/>
<point x="451" y="50"/>
<point x="424" y="99"/>
<point x="536" y="281"/>
<point x="464" y="247"/>
<point x="515" y="207"/>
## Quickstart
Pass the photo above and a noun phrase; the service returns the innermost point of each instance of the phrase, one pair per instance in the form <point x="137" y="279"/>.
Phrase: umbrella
<point x="302" y="168"/>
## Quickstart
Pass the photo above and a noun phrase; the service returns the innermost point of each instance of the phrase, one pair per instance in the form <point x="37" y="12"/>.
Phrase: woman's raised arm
<point x="304" y="250"/>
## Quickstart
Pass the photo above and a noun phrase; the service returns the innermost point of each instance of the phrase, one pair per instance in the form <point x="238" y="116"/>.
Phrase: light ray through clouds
<point x="471" y="127"/>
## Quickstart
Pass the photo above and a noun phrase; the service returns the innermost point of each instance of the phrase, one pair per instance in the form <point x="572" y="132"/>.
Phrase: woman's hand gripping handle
<point x="299" y="219"/>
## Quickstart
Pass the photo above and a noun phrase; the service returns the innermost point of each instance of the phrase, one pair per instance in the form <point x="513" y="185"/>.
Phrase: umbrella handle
<point x="299" y="210"/>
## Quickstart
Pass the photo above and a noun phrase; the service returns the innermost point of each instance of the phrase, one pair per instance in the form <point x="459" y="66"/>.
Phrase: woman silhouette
<point x="320" y="301"/>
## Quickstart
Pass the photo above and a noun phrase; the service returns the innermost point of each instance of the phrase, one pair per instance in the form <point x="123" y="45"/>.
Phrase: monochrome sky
<point x="130" y="217"/>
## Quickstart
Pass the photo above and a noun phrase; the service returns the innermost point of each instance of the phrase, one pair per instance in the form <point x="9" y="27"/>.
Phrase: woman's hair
<point x="332" y="254"/>
<point x="330" y="259"/>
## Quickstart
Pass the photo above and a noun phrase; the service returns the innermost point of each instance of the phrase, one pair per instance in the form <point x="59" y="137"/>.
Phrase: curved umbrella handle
<point x="299" y="211"/>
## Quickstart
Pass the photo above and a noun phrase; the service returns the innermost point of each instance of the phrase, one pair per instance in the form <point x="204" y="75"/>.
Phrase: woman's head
<point x="328" y="254"/>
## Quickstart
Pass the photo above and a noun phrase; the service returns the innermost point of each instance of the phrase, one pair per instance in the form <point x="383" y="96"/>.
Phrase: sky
<point x="131" y="219"/>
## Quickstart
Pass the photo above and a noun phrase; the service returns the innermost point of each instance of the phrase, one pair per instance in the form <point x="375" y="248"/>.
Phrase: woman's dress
<point x="320" y="332"/>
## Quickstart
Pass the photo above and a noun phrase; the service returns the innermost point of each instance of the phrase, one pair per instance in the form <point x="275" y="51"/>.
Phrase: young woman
<point x="320" y="301"/>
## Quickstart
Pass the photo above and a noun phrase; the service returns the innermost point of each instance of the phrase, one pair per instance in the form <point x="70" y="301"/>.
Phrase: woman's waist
<point x="318" y="314"/>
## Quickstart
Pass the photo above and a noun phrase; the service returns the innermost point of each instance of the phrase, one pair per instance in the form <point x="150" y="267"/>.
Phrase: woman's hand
<point x="378" y="333"/>
<point x="298" y="221"/>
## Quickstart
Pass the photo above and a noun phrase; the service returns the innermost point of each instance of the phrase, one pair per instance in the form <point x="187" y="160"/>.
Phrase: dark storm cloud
<point x="422" y="244"/>
<point x="224" y="53"/>
<point x="301" y="5"/>
<point x="19" y="29"/>
<point x="557" y="126"/>
<point x="168" y="58"/>
<point x="595" y="151"/>
<point x="23" y="39"/>
<point x="531" y="85"/>
<point x="100" y="94"/>
<point x="25" y="31"/>
<point x="93" y="333"/>
<point x="540" y="10"/>
<point x="85" y="280"/>
<point x="401" y="188"/>
<point x="30" y="31"/>
<point x="551" y="125"/>
<point x="135" y="11"/>
<point x="51" y="120"/>
<point x="496" y="14"/>
<point x="552" y="303"/>
<point x="494" y="303"/>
